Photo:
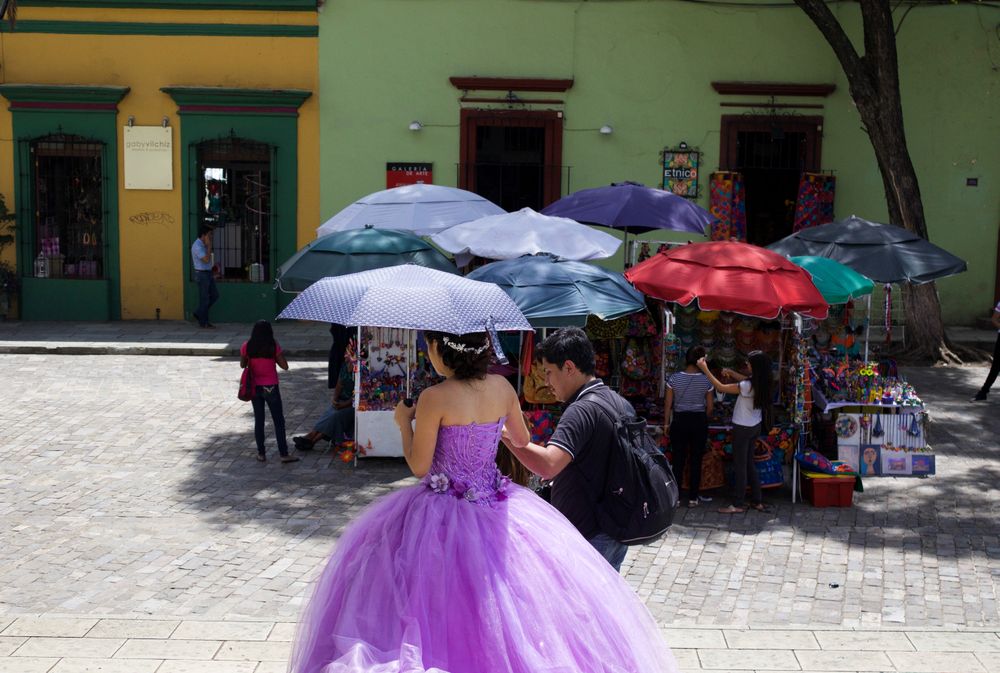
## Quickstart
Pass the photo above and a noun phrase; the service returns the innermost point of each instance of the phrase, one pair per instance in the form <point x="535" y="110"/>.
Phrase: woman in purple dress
<point x="466" y="572"/>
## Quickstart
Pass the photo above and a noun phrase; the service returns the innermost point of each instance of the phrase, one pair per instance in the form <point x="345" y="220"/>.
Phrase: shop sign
<point x="149" y="157"/>
<point x="680" y="171"/>
<point x="402" y="173"/>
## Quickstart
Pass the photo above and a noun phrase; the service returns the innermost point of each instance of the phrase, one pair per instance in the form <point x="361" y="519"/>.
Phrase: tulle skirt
<point x="427" y="582"/>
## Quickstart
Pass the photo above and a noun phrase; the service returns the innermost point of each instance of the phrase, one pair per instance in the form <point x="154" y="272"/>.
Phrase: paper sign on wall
<point x="149" y="157"/>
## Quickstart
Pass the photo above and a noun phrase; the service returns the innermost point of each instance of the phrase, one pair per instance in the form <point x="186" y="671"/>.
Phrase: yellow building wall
<point x="154" y="264"/>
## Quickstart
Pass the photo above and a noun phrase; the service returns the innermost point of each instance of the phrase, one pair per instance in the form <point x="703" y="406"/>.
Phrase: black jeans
<point x="994" y="370"/>
<point x="744" y="469"/>
<point x="271" y="396"/>
<point x="688" y="436"/>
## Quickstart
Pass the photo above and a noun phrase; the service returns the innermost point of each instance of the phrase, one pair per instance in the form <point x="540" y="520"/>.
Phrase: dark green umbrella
<point x="356" y="250"/>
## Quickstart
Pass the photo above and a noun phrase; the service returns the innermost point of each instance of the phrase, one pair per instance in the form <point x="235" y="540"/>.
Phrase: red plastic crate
<point x="829" y="491"/>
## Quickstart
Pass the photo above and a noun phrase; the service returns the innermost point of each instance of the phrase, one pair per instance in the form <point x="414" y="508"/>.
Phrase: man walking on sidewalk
<point x="201" y="257"/>
<point x="995" y="369"/>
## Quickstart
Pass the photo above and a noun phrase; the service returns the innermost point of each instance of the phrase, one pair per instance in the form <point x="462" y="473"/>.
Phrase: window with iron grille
<point x="234" y="187"/>
<point x="68" y="189"/>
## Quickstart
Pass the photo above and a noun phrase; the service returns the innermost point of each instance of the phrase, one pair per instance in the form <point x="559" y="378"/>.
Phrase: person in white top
<point x="751" y="413"/>
<point x="995" y="369"/>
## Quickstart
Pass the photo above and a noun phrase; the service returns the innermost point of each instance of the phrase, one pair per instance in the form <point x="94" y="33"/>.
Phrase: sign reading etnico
<point x="149" y="157"/>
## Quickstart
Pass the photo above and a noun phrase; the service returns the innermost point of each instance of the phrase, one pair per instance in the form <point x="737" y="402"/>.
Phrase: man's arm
<point x="545" y="461"/>
<point x="996" y="319"/>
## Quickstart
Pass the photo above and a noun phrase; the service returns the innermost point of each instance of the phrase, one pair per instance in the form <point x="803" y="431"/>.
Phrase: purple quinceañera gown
<point x="469" y="573"/>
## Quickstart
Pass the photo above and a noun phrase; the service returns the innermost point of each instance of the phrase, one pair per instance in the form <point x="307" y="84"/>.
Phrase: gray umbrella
<point x="883" y="252"/>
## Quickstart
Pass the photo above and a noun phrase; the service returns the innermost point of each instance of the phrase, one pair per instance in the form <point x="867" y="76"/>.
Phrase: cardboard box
<point x="826" y="490"/>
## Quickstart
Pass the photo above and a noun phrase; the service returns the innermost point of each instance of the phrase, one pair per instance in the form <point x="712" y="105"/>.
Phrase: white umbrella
<point x="525" y="232"/>
<point x="422" y="209"/>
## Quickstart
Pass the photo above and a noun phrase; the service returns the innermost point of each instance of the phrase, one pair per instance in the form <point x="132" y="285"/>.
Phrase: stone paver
<point x="936" y="662"/>
<point x="148" y="648"/>
<point x="68" y="647"/>
<point x="132" y="628"/>
<point x="83" y="665"/>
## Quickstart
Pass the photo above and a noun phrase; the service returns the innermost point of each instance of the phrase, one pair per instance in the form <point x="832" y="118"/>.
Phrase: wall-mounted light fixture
<point x="166" y="121"/>
<point x="131" y="120"/>
<point x="415" y="125"/>
<point x="606" y="130"/>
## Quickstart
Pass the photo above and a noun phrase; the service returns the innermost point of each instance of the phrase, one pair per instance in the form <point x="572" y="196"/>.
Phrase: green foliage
<point x="9" y="281"/>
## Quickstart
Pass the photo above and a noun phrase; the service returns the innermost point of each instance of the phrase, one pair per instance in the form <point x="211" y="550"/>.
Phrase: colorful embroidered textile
<point x="728" y="206"/>
<point x="814" y="205"/>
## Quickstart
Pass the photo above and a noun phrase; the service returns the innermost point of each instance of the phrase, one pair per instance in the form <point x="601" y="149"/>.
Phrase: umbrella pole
<point x="357" y="392"/>
<point x="520" y="365"/>
<point x="868" y="325"/>
<point x="625" y="255"/>
<point x="409" y="335"/>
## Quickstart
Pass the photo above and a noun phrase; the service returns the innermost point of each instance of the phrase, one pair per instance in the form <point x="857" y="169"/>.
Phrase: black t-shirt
<point x="588" y="434"/>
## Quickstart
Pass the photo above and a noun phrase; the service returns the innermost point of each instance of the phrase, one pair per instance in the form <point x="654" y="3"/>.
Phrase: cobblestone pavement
<point x="129" y="490"/>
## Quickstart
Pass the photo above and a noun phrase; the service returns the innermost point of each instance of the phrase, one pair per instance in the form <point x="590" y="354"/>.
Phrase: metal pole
<point x="868" y="325"/>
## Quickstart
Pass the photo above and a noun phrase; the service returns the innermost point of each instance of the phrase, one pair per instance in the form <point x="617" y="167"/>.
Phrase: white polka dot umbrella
<point x="410" y="297"/>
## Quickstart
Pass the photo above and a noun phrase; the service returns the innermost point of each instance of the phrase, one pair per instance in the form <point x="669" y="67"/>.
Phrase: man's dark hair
<point x="569" y="343"/>
<point x="204" y="229"/>
<point x="694" y="354"/>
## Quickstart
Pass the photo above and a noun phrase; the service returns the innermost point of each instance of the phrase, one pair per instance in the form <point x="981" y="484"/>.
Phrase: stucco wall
<point x="646" y="67"/>
<point x="154" y="263"/>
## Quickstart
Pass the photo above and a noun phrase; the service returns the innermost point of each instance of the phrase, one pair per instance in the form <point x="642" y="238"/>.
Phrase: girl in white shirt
<point x="751" y="413"/>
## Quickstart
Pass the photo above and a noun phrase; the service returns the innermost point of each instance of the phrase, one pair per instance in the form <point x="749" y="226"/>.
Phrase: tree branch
<point x="843" y="48"/>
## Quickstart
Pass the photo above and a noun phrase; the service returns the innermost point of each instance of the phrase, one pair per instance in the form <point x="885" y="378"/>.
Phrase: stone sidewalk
<point x="114" y="645"/>
<point x="154" y="337"/>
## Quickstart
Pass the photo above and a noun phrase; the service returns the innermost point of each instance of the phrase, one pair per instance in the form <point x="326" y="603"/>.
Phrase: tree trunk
<point x="873" y="80"/>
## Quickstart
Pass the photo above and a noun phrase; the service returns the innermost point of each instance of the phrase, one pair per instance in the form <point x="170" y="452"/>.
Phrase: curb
<point x="218" y="351"/>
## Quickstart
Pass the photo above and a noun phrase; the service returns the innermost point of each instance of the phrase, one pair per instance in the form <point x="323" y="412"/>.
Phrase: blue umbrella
<point x="553" y="292"/>
<point x="409" y="297"/>
<point x="632" y="207"/>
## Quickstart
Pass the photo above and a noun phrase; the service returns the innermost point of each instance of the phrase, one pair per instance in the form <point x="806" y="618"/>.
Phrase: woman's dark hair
<point x="760" y="381"/>
<point x="467" y="355"/>
<point x="569" y="343"/>
<point x="261" y="343"/>
<point x="694" y="354"/>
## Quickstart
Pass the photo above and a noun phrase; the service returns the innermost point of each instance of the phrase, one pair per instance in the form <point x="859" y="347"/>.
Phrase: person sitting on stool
<point x="337" y="422"/>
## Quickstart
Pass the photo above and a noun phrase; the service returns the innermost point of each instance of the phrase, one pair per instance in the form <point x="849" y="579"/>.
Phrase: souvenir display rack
<point x="392" y="365"/>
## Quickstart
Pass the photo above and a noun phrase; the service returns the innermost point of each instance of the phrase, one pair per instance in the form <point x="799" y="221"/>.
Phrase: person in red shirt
<point x="263" y="355"/>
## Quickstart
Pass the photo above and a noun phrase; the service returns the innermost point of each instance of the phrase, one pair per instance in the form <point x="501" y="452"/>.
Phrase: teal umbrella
<point x="554" y="292"/>
<point x="357" y="250"/>
<point x="836" y="282"/>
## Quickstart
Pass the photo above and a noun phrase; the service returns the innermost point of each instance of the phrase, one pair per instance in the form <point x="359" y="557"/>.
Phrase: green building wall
<point x="646" y="68"/>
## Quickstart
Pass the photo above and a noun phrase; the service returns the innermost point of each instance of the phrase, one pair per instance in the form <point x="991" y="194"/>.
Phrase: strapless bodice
<point x="464" y="462"/>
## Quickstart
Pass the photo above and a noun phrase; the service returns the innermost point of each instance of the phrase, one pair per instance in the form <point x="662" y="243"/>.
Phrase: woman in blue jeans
<point x="263" y="355"/>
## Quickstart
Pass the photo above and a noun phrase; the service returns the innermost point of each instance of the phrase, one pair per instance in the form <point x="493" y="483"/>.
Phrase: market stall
<point x="733" y="298"/>
<point x="388" y="305"/>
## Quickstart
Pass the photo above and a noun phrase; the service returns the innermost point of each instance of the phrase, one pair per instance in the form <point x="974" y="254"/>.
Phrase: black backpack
<point x="640" y="493"/>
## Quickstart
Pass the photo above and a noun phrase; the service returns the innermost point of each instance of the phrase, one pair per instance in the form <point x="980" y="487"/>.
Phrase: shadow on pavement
<point x="230" y="487"/>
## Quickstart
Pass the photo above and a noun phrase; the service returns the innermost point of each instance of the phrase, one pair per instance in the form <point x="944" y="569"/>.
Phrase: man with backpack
<point x="586" y="458"/>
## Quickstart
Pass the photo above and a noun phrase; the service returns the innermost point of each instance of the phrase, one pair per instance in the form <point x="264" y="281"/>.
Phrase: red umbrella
<point x="729" y="276"/>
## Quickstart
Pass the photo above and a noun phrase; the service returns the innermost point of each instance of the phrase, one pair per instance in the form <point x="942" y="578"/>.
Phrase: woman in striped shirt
<point x="688" y="405"/>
